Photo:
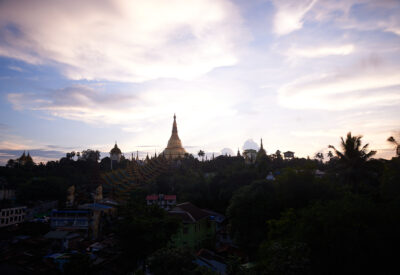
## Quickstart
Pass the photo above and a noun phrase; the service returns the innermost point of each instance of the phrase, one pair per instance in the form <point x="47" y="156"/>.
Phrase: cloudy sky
<point x="300" y="74"/>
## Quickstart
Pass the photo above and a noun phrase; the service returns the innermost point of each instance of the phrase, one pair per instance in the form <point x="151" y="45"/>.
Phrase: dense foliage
<point x="333" y="217"/>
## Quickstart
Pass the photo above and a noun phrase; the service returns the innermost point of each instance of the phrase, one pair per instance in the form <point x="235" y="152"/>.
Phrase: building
<point x="101" y="215"/>
<point x="12" y="215"/>
<point x="250" y="155"/>
<point x="25" y="159"/>
<point x="71" y="220"/>
<point x="288" y="155"/>
<point x="166" y="202"/>
<point x="198" y="227"/>
<point x="115" y="156"/>
<point x="6" y="192"/>
<point x="174" y="148"/>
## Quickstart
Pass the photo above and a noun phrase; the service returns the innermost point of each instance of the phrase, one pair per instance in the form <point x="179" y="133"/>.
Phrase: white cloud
<point x="130" y="109"/>
<point x="250" y="144"/>
<point x="343" y="91"/>
<point x="15" y="68"/>
<point x="322" y="51"/>
<point x="227" y="151"/>
<point x="289" y="15"/>
<point x="123" y="40"/>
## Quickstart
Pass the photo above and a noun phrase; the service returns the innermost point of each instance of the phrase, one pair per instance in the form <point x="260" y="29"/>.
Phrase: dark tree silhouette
<point x="201" y="154"/>
<point x="397" y="144"/>
<point x="352" y="159"/>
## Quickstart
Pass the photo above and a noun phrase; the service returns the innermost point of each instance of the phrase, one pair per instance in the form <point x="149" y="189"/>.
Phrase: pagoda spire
<point x="262" y="148"/>
<point x="174" y="147"/>
<point x="174" y="126"/>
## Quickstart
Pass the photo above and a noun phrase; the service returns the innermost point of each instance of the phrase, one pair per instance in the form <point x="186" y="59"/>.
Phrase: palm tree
<point x="353" y="159"/>
<point x="201" y="154"/>
<point x="395" y="143"/>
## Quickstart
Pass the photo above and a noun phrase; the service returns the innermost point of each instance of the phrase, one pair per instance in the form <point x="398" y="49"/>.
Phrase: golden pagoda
<point x="174" y="148"/>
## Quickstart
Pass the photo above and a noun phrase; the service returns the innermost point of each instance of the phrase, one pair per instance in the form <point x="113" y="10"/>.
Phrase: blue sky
<point x="300" y="74"/>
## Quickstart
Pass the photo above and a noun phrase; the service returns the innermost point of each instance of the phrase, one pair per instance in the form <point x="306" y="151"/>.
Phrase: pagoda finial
<point x="174" y="126"/>
<point x="261" y="145"/>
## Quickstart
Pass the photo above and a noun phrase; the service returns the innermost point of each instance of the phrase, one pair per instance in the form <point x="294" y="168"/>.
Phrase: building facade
<point x="12" y="215"/>
<point x="197" y="228"/>
<point x="166" y="202"/>
<point x="115" y="156"/>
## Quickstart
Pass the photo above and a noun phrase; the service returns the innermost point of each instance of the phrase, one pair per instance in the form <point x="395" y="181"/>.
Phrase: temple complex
<point x="174" y="148"/>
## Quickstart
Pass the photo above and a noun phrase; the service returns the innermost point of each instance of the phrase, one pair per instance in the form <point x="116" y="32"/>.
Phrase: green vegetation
<point x="343" y="219"/>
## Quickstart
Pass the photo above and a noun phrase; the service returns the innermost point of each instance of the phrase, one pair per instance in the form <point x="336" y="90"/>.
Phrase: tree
<point x="353" y="159"/>
<point x="201" y="154"/>
<point x="11" y="163"/>
<point x="319" y="156"/>
<point x="394" y="142"/>
<point x="90" y="155"/>
<point x="144" y="229"/>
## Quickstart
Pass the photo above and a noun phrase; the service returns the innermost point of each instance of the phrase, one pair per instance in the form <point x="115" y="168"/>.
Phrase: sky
<point x="299" y="74"/>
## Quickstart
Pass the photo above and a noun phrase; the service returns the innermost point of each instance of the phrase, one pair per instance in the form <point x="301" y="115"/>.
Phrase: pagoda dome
<point x="115" y="150"/>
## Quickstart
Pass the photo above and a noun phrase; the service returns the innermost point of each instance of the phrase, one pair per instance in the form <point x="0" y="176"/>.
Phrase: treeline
<point x="314" y="217"/>
<point x="334" y="217"/>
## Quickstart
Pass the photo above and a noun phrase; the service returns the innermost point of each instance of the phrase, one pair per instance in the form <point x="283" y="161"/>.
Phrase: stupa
<point x="174" y="148"/>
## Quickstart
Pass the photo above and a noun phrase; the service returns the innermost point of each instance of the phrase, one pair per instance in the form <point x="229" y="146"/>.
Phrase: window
<point x="185" y="229"/>
<point x="2" y="221"/>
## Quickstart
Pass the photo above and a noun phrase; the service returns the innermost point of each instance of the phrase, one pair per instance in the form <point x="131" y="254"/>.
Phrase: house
<point x="288" y="155"/>
<point x="166" y="202"/>
<point x="198" y="226"/>
<point x="78" y="220"/>
<point x="221" y="232"/>
<point x="12" y="215"/>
